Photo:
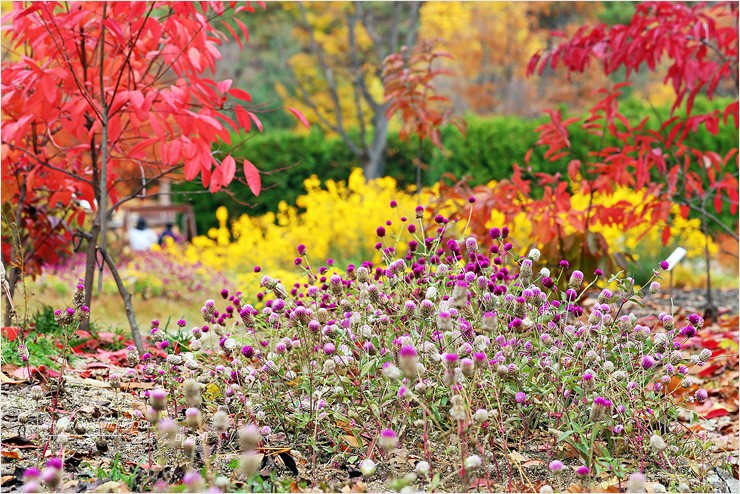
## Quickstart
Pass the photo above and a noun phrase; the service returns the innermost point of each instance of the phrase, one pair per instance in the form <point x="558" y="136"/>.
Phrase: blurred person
<point x="141" y="237"/>
<point x="168" y="232"/>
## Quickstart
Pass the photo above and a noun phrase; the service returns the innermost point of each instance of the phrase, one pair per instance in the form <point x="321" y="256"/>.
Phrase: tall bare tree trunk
<point x="375" y="165"/>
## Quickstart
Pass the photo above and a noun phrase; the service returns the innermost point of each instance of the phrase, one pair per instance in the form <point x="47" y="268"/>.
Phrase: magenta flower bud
<point x="664" y="265"/>
<point x="520" y="397"/>
<point x="494" y="233"/>
<point x="301" y="250"/>
<point x="380" y="231"/>
<point x="564" y="264"/>
<point x="583" y="471"/>
<point x="407" y="351"/>
<point x="54" y="463"/>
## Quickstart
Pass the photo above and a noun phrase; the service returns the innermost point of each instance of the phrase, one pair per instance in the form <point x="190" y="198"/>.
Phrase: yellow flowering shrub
<point x="339" y="219"/>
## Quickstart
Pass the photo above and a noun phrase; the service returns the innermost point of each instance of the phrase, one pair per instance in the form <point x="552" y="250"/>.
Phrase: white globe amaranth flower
<point x="544" y="272"/>
<point x="473" y="462"/>
<point x="367" y="467"/>
<point x="534" y="254"/>
<point x="422" y="468"/>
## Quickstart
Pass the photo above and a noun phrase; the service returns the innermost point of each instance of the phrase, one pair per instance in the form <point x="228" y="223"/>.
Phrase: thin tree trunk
<point x="126" y="296"/>
<point x="91" y="255"/>
<point x="375" y="165"/>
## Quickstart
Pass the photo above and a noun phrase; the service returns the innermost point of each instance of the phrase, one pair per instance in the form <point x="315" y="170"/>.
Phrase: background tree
<point x="103" y="100"/>
<point x="696" y="48"/>
<point x="336" y="77"/>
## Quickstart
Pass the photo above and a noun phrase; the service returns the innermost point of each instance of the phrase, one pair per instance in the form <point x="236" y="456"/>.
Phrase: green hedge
<point x="488" y="152"/>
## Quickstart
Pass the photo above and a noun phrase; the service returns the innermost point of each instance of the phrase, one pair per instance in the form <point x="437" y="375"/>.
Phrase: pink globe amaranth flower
<point x="556" y="465"/>
<point x="664" y="265"/>
<point x="495" y="233"/>
<point x="647" y="362"/>
<point x="701" y="395"/>
<point x="31" y="473"/>
<point x="583" y="471"/>
<point x="450" y="358"/>
<point x="329" y="348"/>
<point x="388" y="439"/>
<point x="182" y="323"/>
<point x="407" y="351"/>
<point x="520" y="397"/>
<point x="588" y="376"/>
<point x="380" y="231"/>
<point x="257" y="269"/>
<point x="393" y="203"/>
<point x="598" y="272"/>
<point x="54" y="463"/>
<point x="564" y="264"/>
<point x="301" y="249"/>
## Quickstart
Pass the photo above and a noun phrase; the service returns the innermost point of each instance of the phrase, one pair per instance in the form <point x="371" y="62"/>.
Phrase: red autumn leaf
<point x="709" y="370"/>
<point x="228" y="169"/>
<point x="252" y="175"/>
<point x="240" y="93"/>
<point x="300" y="116"/>
<point x="717" y="412"/>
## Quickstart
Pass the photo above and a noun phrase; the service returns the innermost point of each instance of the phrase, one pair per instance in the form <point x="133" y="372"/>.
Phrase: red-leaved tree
<point x="698" y="47"/>
<point x="101" y="100"/>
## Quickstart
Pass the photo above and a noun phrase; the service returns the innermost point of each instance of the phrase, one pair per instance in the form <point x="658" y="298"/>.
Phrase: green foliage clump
<point x="488" y="151"/>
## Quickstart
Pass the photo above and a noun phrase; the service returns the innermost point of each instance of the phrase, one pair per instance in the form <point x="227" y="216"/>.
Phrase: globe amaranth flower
<point x="583" y="471"/>
<point x="647" y="362"/>
<point x="388" y="439"/>
<point x="367" y="467"/>
<point x="664" y="265"/>
<point x="556" y="465"/>
<point x="520" y="397"/>
<point x="701" y="395"/>
<point x="473" y="462"/>
<point x="636" y="483"/>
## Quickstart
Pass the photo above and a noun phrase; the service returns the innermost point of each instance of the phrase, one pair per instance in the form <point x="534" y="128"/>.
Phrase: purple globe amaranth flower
<point x="380" y="231"/>
<point x="564" y="264"/>
<point x="248" y="351"/>
<point x="504" y="231"/>
<point x="647" y="362"/>
<point x="301" y="249"/>
<point x="696" y="320"/>
<point x="407" y="351"/>
<point x="520" y="397"/>
<point x="54" y="463"/>
<point x="570" y="294"/>
<point x="664" y="265"/>
<point x="495" y="233"/>
<point x="583" y="471"/>
<point x="547" y="282"/>
<point x="556" y="465"/>
<point x="182" y="323"/>
<point x="701" y="395"/>
<point x="588" y="376"/>
<point x="688" y="331"/>
<point x="599" y="272"/>
<point x="329" y="348"/>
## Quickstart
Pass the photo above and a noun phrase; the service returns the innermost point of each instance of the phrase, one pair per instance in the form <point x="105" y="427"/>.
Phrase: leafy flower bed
<point x="439" y="367"/>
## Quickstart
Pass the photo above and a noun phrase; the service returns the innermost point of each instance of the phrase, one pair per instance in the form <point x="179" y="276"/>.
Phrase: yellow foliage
<point x="338" y="221"/>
